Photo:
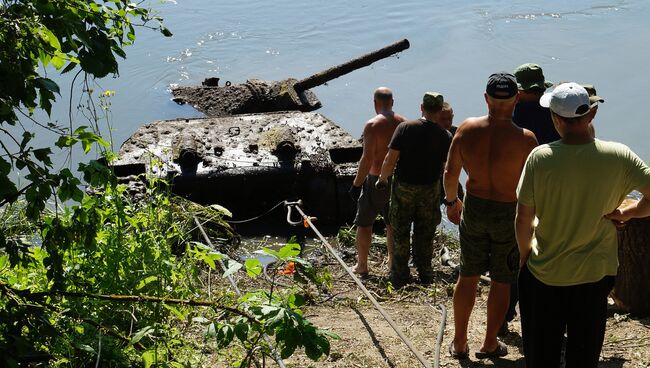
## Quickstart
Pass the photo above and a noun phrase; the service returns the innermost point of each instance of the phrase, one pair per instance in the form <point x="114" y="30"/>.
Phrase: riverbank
<point x="368" y="341"/>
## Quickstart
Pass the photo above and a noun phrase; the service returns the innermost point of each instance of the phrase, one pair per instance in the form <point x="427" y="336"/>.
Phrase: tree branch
<point x="129" y="298"/>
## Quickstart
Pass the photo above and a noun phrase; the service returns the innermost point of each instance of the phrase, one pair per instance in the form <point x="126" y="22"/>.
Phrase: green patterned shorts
<point x="487" y="239"/>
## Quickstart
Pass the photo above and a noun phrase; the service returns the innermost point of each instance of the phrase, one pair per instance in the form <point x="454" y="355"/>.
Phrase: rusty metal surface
<point x="256" y="95"/>
<point x="248" y="163"/>
<point x="238" y="142"/>
<point x="253" y="96"/>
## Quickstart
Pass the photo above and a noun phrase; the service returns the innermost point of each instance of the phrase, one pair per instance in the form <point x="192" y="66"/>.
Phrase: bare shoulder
<point x="471" y="124"/>
<point x="399" y="118"/>
<point x="372" y="123"/>
<point x="530" y="138"/>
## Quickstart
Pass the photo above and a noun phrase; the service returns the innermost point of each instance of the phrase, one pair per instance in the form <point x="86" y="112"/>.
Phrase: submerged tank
<point x="249" y="163"/>
<point x="252" y="151"/>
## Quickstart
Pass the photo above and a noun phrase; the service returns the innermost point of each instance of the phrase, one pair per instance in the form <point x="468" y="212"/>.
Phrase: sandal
<point x="362" y="275"/>
<point x="458" y="354"/>
<point x="500" y="351"/>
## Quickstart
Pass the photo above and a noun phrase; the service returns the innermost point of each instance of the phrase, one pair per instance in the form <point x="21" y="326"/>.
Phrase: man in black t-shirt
<point x="419" y="150"/>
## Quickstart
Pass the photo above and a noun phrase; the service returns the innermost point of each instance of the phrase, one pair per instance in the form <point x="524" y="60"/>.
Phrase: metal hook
<point x="289" y="205"/>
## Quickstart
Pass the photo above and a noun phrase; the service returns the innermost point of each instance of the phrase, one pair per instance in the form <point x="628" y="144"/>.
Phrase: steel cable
<point x="393" y="325"/>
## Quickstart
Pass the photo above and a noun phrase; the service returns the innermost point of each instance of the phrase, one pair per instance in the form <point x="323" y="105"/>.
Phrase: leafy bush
<point x="104" y="286"/>
<point x="98" y="279"/>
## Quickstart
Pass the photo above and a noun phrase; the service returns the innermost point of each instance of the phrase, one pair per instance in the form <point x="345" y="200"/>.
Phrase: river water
<point x="455" y="46"/>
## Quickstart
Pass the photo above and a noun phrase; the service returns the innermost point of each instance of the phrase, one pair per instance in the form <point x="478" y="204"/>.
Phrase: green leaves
<point x="86" y="138"/>
<point x="109" y="245"/>
<point x="148" y="330"/>
<point x="289" y="250"/>
<point x="35" y="35"/>
<point x="148" y="358"/>
<point x="69" y="187"/>
<point x="146" y="281"/>
<point x="166" y="32"/>
<point x="253" y="267"/>
<point x="48" y="84"/>
<point x="203" y="253"/>
<point x="231" y="267"/>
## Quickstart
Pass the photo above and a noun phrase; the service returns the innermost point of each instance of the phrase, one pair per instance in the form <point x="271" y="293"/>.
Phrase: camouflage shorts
<point x="487" y="239"/>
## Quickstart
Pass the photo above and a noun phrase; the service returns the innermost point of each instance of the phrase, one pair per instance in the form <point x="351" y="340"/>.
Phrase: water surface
<point x="455" y="45"/>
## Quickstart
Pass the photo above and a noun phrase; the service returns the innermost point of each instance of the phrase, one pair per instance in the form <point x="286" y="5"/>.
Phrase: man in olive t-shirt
<point x="569" y="260"/>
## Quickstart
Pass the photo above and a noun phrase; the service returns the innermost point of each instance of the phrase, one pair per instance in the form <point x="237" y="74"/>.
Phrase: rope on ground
<point x="441" y="333"/>
<point x="256" y="217"/>
<point x="409" y="344"/>
<point x="266" y="337"/>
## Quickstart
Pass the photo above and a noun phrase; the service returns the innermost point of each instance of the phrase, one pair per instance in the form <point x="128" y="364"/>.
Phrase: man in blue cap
<point x="529" y="114"/>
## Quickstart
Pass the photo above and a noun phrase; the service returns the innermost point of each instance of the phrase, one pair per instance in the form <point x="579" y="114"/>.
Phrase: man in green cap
<point x="417" y="152"/>
<point x="594" y="100"/>
<point x="528" y="113"/>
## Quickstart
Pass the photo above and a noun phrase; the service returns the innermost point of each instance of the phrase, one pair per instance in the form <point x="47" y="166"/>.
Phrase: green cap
<point x="593" y="96"/>
<point x="432" y="101"/>
<point x="529" y="76"/>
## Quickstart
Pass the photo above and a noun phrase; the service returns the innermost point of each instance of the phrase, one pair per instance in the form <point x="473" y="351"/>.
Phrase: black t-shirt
<point x="423" y="147"/>
<point x="537" y="119"/>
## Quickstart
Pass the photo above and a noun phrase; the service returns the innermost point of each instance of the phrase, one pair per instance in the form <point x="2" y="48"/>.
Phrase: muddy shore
<point x="368" y="341"/>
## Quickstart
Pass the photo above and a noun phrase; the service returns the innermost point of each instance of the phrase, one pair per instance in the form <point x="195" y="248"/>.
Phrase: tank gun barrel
<point x="258" y="96"/>
<point x="349" y="66"/>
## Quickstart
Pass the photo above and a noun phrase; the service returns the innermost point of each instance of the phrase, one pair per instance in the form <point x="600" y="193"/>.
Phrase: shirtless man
<point x="492" y="150"/>
<point x="376" y="135"/>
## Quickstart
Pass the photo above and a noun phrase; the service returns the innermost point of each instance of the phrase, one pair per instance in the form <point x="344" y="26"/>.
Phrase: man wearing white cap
<point x="569" y="260"/>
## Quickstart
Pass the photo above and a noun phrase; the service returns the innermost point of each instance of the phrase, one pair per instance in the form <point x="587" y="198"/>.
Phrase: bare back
<point x="377" y="134"/>
<point x="493" y="154"/>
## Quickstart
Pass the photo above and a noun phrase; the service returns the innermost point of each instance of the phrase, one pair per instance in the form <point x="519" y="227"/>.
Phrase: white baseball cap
<point x="568" y="100"/>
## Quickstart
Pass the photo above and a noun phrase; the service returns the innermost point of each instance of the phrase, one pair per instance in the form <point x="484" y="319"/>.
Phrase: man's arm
<point x="524" y="230"/>
<point x="387" y="168"/>
<point x="450" y="180"/>
<point x="640" y="208"/>
<point x="369" y="149"/>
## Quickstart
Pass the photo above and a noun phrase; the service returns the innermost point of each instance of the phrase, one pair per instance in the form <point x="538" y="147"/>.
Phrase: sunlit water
<point x="455" y="45"/>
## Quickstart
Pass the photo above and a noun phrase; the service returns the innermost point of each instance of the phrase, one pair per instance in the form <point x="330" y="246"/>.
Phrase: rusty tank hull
<point x="261" y="144"/>
<point x="249" y="163"/>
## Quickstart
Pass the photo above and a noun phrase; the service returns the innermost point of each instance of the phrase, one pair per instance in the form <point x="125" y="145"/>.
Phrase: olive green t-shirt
<point x="572" y="187"/>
